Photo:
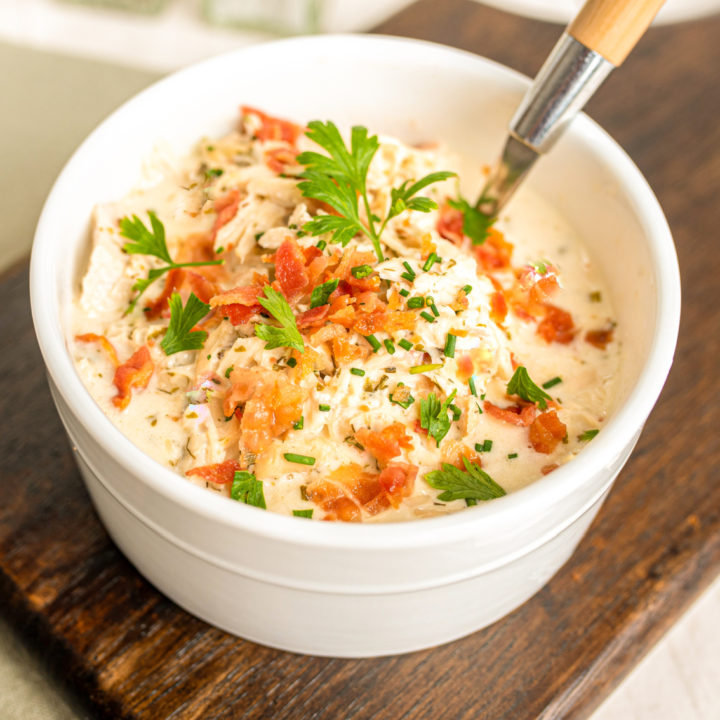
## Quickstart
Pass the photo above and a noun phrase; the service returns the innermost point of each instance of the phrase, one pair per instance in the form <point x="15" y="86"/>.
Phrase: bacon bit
<point x="314" y="317"/>
<point x="495" y="253"/>
<point x="240" y="314"/>
<point x="557" y="325"/>
<point x="218" y="473"/>
<point x="547" y="469"/>
<point x="273" y="128"/>
<point x="427" y="246"/>
<point x="198" y="247"/>
<point x="226" y="208"/>
<point x="522" y="415"/>
<point x="454" y="451"/>
<point x="450" y="224"/>
<point x="385" y="444"/>
<point x="326" y="333"/>
<point x="514" y="361"/>
<point x="465" y="366"/>
<point x="397" y="480"/>
<point x="247" y="295"/>
<point x="133" y="373"/>
<point x="160" y="305"/>
<point x="106" y="345"/>
<point x="546" y="431"/>
<point x="281" y="159"/>
<point x="345" y="351"/>
<point x="461" y="301"/>
<point x="389" y="322"/>
<point x="290" y="269"/>
<point x="498" y="307"/>
<point x="599" y="338"/>
<point x="272" y="405"/>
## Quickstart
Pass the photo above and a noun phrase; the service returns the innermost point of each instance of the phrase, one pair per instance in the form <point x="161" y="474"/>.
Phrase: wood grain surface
<point x="128" y="652"/>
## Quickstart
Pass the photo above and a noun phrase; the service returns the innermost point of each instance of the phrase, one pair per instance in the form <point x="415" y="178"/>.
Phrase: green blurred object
<point x="281" y="17"/>
<point x="142" y="6"/>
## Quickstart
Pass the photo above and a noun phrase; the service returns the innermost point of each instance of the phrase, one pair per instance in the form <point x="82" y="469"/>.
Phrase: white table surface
<point x="50" y="102"/>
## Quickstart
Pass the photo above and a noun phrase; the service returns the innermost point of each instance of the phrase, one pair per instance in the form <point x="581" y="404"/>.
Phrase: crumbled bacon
<point x="546" y="432"/>
<point x="312" y="318"/>
<point x="398" y="479"/>
<point x="218" y="473"/>
<point x="498" y="307"/>
<point x="106" y="345"/>
<point x="599" y="338"/>
<point x="273" y="128"/>
<point x="557" y="325"/>
<point x="386" y="444"/>
<point x="290" y="270"/>
<point x="450" y="224"/>
<point x="225" y="208"/>
<point x="281" y="159"/>
<point x="495" y="253"/>
<point x="133" y="373"/>
<point x="345" y="351"/>
<point x="240" y="304"/>
<point x="522" y="415"/>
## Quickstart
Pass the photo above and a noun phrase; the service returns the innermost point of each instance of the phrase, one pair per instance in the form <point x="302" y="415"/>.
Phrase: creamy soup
<point x="325" y="347"/>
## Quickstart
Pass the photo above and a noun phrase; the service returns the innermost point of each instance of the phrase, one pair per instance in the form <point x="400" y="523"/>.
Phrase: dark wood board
<point x="128" y="652"/>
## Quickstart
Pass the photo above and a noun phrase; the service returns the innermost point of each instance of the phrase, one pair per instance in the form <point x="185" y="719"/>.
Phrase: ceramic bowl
<point x="332" y="588"/>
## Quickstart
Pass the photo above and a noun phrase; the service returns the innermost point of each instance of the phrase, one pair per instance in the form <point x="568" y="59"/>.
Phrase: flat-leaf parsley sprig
<point x="288" y="334"/>
<point x="180" y="334"/>
<point x="521" y="385"/>
<point x="339" y="179"/>
<point x="145" y="241"/>
<point x="476" y="224"/>
<point x="434" y="416"/>
<point x="471" y="484"/>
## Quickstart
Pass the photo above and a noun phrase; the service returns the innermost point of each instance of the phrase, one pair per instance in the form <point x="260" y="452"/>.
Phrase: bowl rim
<point x="543" y="492"/>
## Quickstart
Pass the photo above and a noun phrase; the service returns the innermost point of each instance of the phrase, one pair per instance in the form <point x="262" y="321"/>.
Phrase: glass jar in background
<point x="284" y="17"/>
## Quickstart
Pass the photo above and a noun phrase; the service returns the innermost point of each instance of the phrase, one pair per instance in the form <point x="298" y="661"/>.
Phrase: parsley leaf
<point x="145" y="241"/>
<point x="303" y="513"/>
<point x="248" y="489"/>
<point x="434" y="417"/>
<point x="321" y="294"/>
<point x="476" y="224"/>
<point x="520" y="384"/>
<point x="286" y="336"/>
<point x="588" y="435"/>
<point x="471" y="484"/>
<point x="340" y="180"/>
<point x="180" y="335"/>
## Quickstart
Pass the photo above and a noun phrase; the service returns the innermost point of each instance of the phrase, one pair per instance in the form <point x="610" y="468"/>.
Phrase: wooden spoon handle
<point x="613" y="27"/>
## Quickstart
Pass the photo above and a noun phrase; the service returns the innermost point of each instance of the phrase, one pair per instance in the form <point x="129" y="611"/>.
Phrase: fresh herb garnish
<point x="425" y="315"/>
<point x="213" y="172"/>
<point x="322" y="407"/>
<point x="248" y="489"/>
<point x="300" y="459"/>
<point x="552" y="382"/>
<point x="374" y="342"/>
<point x="357" y="371"/>
<point x="473" y="483"/>
<point x="180" y="334"/>
<point x="405" y="344"/>
<point x="450" y="341"/>
<point x="417" y="369"/>
<point x="431" y="260"/>
<point x="415" y="303"/>
<point x="321" y="294"/>
<point x="588" y="435"/>
<point x="144" y="241"/>
<point x="286" y="336"/>
<point x="402" y="396"/>
<point x="434" y="416"/>
<point x="389" y="345"/>
<point x="303" y="513"/>
<point x="476" y="224"/>
<point x="521" y="385"/>
<point x="485" y="446"/>
<point x="299" y="424"/>
<point x="361" y="271"/>
<point x="228" y="371"/>
<point x="340" y="180"/>
<point x="471" y="383"/>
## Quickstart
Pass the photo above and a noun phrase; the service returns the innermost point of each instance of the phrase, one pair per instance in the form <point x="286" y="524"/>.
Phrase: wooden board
<point x="128" y="652"/>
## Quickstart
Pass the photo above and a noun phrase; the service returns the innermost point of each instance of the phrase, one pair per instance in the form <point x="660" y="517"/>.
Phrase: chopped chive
<point x="303" y="513"/>
<point x="228" y="371"/>
<point x="471" y="383"/>
<point x="389" y="346"/>
<point x="291" y="362"/>
<point x="408" y="277"/>
<point x="408" y="267"/>
<point x="484" y="446"/>
<point x="323" y="408"/>
<point x="299" y="424"/>
<point x="219" y="250"/>
<point x="427" y="316"/>
<point x="357" y="371"/>
<point x="300" y="459"/>
<point x="431" y="304"/>
<point x="361" y="271"/>
<point x="416" y="302"/>
<point x="480" y="410"/>
<point x="455" y="410"/>
<point x="374" y="342"/>
<point x="301" y="233"/>
<point x="321" y="245"/>
<point x="258" y="235"/>
<point x="432" y="259"/>
<point x="482" y="397"/>
<point x="450" y="345"/>
<point x="467" y="289"/>
<point x="213" y="172"/>
<point x="390" y="369"/>
<point x="405" y="344"/>
<point x="512" y="456"/>
<point x="596" y="296"/>
<point x="416" y="369"/>
<point x="404" y="292"/>
<point x="551" y="383"/>
<point x="588" y="435"/>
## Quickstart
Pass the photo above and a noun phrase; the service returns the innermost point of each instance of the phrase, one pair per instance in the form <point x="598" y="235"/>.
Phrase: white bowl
<point x="332" y="588"/>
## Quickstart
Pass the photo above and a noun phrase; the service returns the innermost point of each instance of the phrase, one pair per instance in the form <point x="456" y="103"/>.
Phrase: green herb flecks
<point x="476" y="224"/>
<point x="473" y="483"/>
<point x="321" y="294"/>
<point x="588" y="435"/>
<point x="248" y="489"/>
<point x="180" y="334"/>
<point x="303" y="513"/>
<point x="434" y="416"/>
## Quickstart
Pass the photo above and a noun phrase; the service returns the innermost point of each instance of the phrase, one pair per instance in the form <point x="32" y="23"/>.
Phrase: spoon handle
<point x="613" y="27"/>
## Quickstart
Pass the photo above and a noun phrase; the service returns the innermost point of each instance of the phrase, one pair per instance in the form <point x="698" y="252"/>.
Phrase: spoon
<point x="598" y="40"/>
